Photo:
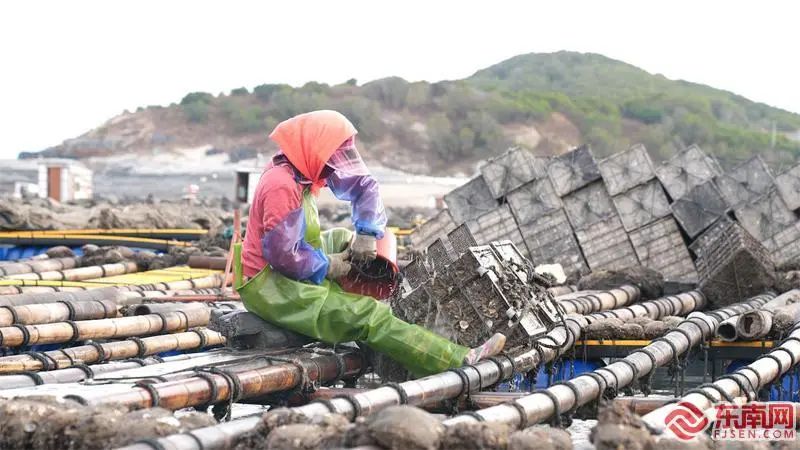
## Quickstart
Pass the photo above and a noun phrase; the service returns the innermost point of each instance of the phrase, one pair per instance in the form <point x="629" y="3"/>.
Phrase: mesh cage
<point x="533" y="200"/>
<point x="766" y="216"/>
<point x="746" y="182"/>
<point x="788" y="184"/>
<point x="699" y="208"/>
<point x="550" y="240"/>
<point x="734" y="266"/>
<point x="511" y="170"/>
<point x="605" y="245"/>
<point x="470" y="200"/>
<point x="461" y="240"/>
<point x="432" y="229"/>
<point x="660" y="246"/>
<point x="625" y="170"/>
<point x="713" y="232"/>
<point x="686" y="170"/>
<point x="573" y="170"/>
<point x="589" y="205"/>
<point x="642" y="205"/>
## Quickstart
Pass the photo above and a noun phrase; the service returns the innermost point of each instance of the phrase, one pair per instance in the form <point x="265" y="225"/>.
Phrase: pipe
<point x="44" y="265"/>
<point x="752" y="378"/>
<point x="726" y="331"/>
<point x="118" y="327"/>
<point x="239" y="384"/>
<point x="755" y="324"/>
<point x="110" y="351"/>
<point x="80" y="273"/>
<point x="758" y="324"/>
<point x="593" y="301"/>
<point x="446" y="385"/>
<point x="75" y="374"/>
<point x="580" y="390"/>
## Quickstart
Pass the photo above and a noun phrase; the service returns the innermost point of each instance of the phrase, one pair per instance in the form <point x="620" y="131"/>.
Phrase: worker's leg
<point x="420" y="351"/>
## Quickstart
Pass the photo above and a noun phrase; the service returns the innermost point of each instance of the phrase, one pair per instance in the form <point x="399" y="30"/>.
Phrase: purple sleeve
<point x="286" y="251"/>
<point x="369" y="216"/>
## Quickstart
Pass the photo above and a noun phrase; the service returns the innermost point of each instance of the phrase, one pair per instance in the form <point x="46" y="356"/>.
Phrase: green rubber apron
<point x="329" y="314"/>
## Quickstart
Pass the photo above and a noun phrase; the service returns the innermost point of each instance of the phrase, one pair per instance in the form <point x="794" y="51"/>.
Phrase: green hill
<point x="545" y="102"/>
<point x="599" y="94"/>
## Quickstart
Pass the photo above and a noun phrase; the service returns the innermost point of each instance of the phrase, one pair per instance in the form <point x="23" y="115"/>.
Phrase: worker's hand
<point x="338" y="265"/>
<point x="364" y="249"/>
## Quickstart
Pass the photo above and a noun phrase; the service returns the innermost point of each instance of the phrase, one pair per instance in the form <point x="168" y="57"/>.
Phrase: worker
<point x="292" y="267"/>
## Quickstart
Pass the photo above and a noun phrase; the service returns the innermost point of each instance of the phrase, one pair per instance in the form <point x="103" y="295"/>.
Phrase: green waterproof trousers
<point x="328" y="313"/>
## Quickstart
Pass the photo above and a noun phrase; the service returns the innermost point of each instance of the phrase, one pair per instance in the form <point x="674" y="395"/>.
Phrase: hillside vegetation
<point x="545" y="102"/>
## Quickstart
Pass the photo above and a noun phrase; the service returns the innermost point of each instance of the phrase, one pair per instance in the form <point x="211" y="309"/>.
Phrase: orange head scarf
<point x="308" y="141"/>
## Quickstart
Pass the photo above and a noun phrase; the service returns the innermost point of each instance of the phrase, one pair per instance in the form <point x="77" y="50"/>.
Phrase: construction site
<point x="626" y="290"/>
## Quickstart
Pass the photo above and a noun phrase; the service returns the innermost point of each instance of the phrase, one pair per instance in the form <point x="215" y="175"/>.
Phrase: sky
<point x="67" y="67"/>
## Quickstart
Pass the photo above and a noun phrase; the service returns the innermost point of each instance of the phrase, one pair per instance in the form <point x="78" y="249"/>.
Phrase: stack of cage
<point x="644" y="209"/>
<point x="590" y="211"/>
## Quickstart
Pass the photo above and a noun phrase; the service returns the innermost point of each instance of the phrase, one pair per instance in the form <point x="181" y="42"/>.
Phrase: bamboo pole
<point x="105" y="293"/>
<point x="118" y="327"/>
<point x="580" y="390"/>
<point x="745" y="382"/>
<point x="44" y="265"/>
<point x="239" y="384"/>
<point x="158" y="294"/>
<point x="57" y="312"/>
<point x="21" y="289"/>
<point x="228" y="298"/>
<point x="443" y="386"/>
<point x="75" y="374"/>
<point x="110" y="351"/>
<point x="80" y="273"/>
<point x="120" y="294"/>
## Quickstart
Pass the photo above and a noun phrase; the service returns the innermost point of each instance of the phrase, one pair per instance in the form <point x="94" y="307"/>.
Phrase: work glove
<point x="338" y="265"/>
<point x="364" y="249"/>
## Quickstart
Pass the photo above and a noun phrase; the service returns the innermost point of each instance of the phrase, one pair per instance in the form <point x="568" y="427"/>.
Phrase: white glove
<point x="338" y="265"/>
<point x="364" y="249"/>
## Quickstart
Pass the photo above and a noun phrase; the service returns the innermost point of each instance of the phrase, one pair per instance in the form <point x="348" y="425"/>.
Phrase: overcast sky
<point x="66" y="67"/>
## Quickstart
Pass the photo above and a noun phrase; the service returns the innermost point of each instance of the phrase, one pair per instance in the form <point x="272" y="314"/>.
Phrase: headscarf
<point x="308" y="141"/>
